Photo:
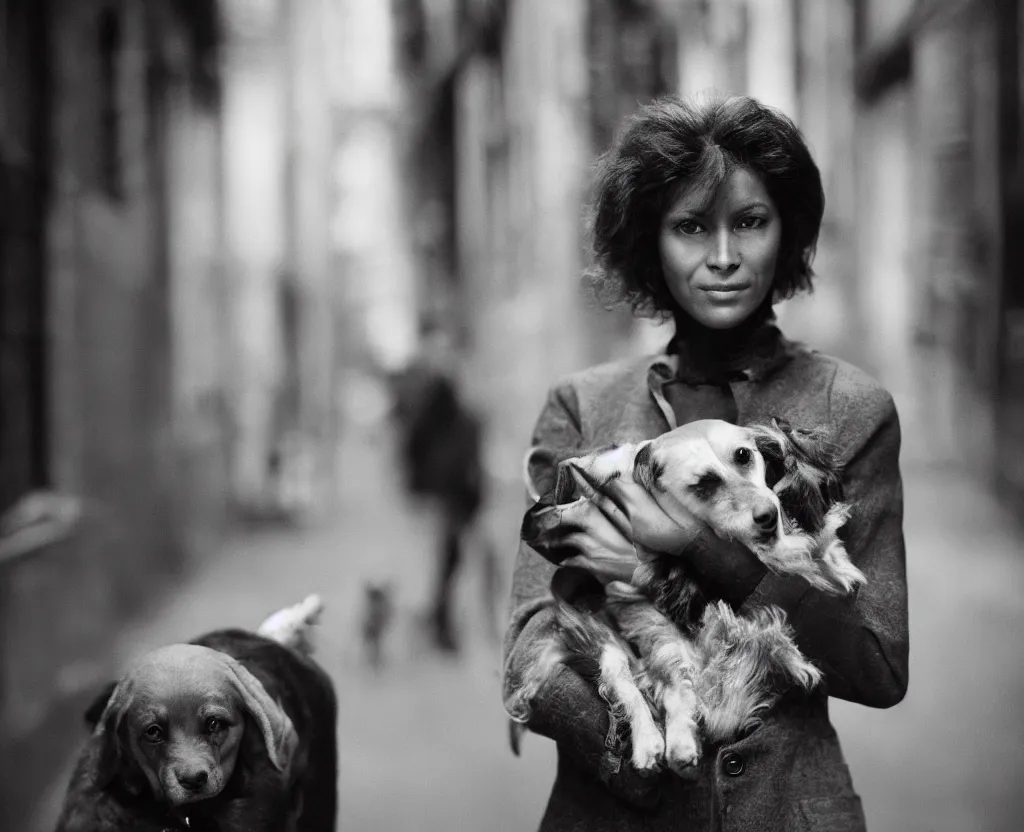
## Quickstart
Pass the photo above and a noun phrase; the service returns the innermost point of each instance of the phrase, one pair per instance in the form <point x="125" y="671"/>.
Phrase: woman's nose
<point x="723" y="254"/>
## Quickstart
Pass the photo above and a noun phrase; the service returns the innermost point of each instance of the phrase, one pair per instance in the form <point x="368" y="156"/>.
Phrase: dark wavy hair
<point x="674" y="143"/>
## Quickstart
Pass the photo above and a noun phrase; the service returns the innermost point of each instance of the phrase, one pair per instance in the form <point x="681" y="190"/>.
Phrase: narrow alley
<point x="423" y="741"/>
<point x="229" y="227"/>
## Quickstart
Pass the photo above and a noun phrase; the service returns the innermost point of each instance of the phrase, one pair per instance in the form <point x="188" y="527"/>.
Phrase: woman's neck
<point x="718" y="354"/>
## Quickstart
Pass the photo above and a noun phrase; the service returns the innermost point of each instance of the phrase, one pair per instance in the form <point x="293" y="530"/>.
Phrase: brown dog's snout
<point x="193" y="781"/>
<point x="766" y="516"/>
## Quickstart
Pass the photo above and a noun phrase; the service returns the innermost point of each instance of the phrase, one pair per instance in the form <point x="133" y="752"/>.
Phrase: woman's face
<point x="719" y="263"/>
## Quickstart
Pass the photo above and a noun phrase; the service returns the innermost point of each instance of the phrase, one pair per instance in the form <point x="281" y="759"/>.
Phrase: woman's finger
<point x="626" y="494"/>
<point x="652" y="529"/>
<point x="605" y="564"/>
<point x="610" y="509"/>
<point x="583" y="515"/>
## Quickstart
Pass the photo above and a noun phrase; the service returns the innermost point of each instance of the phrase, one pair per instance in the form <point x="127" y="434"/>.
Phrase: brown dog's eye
<point x="154" y="733"/>
<point x="742" y="456"/>
<point x="214" y="725"/>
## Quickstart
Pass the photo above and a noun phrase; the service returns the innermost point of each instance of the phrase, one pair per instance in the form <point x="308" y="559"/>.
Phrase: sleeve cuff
<point x="783" y="591"/>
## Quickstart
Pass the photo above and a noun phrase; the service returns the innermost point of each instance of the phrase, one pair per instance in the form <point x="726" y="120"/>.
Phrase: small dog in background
<point x="708" y="671"/>
<point x="234" y="731"/>
<point x="378" y="613"/>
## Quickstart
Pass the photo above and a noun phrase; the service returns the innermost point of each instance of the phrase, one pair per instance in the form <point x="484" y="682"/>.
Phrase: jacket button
<point x="732" y="763"/>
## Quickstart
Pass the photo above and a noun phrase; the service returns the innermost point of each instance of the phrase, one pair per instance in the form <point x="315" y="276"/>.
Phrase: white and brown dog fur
<point x="675" y="667"/>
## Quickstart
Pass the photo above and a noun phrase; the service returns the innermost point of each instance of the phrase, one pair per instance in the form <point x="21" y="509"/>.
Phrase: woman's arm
<point x="860" y="642"/>
<point x="568" y="709"/>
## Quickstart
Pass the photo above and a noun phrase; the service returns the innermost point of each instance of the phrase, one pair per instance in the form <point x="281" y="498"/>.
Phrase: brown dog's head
<point x="176" y="720"/>
<point x="713" y="470"/>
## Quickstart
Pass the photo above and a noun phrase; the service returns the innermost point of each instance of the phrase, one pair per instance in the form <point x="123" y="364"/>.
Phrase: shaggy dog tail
<point x="293" y="626"/>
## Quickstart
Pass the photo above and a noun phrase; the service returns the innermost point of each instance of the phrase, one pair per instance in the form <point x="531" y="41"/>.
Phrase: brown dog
<point x="708" y="672"/>
<point x="234" y="731"/>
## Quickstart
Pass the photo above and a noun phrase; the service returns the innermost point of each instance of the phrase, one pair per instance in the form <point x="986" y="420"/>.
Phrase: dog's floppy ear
<point x="770" y="444"/>
<point x="547" y="477"/>
<point x="98" y="705"/>
<point x="279" y="735"/>
<point x="115" y="760"/>
<point x="539" y="472"/>
<point x="802" y="467"/>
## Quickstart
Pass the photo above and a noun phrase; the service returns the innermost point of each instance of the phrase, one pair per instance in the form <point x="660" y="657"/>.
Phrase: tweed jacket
<point x="788" y="775"/>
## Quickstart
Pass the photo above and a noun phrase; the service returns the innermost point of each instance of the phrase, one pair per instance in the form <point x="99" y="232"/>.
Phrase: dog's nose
<point x="766" y="517"/>
<point x="193" y="782"/>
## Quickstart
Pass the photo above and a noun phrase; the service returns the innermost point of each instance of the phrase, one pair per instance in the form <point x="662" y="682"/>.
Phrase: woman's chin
<point x="722" y="318"/>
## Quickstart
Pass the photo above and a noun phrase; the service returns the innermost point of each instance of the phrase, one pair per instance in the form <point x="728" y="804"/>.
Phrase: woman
<point x="708" y="213"/>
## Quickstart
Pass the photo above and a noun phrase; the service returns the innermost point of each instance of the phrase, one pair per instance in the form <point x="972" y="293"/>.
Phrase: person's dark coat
<point x="790" y="774"/>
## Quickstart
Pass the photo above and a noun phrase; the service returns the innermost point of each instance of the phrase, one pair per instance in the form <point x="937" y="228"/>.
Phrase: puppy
<point x="674" y="666"/>
<point x="232" y="731"/>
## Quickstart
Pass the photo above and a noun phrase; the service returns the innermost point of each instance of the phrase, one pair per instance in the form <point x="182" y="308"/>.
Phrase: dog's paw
<point x="648" y="748"/>
<point x="682" y="752"/>
<point x="805" y="674"/>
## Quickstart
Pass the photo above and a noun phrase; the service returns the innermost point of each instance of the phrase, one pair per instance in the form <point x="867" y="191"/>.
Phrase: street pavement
<point x="423" y="743"/>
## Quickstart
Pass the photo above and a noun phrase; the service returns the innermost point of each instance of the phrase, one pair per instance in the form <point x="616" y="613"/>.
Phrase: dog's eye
<point x="154" y="733"/>
<point x="215" y="725"/>
<point x="743" y="456"/>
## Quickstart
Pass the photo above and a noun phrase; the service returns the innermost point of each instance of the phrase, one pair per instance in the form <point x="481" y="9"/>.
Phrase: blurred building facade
<point x="105" y="491"/>
<point x="938" y="102"/>
<point x="168" y="311"/>
<point x="910" y="107"/>
<point x="510" y="102"/>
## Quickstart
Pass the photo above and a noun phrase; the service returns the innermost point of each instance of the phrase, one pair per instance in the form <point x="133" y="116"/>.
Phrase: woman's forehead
<point x="741" y="187"/>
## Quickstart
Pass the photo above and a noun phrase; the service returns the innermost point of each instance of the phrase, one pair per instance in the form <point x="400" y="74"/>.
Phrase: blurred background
<point x="241" y="241"/>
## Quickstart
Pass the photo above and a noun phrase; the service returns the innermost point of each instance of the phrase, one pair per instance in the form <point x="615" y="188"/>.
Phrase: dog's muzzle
<point x="766" y="517"/>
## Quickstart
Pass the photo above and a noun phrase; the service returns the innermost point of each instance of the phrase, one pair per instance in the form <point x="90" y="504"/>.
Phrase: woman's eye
<point x="749" y="223"/>
<point x="213" y="725"/>
<point x="154" y="733"/>
<point x="742" y="456"/>
<point x="689" y="227"/>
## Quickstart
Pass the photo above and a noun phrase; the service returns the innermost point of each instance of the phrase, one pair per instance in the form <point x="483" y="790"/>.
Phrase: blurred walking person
<point x="440" y="446"/>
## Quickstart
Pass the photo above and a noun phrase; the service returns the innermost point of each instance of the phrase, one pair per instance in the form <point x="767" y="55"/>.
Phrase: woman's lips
<point x="725" y="290"/>
<point x="724" y="293"/>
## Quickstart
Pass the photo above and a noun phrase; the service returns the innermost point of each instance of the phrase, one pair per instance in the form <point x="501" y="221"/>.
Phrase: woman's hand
<point x="582" y="534"/>
<point x="592" y="533"/>
<point x="727" y="569"/>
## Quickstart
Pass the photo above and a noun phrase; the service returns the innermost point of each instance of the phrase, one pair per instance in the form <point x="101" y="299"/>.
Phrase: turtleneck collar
<point x="749" y="351"/>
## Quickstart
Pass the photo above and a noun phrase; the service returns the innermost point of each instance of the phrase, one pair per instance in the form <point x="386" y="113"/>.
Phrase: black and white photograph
<point x="512" y="415"/>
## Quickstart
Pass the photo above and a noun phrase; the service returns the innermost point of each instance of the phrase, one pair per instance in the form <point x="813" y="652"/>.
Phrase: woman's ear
<point x="279" y="735"/>
<point x="115" y="761"/>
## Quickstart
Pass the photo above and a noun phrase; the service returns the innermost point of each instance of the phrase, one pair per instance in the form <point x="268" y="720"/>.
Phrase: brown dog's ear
<point x="115" y="760"/>
<point x="95" y="710"/>
<point x="279" y="735"/>
<point x="770" y="444"/>
<point x="802" y="467"/>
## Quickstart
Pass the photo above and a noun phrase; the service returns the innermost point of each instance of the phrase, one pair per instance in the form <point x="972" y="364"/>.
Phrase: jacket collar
<point x="749" y="354"/>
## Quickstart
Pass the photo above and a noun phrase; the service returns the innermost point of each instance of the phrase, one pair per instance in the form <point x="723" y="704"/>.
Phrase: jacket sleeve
<point x="860" y="642"/>
<point x="567" y="709"/>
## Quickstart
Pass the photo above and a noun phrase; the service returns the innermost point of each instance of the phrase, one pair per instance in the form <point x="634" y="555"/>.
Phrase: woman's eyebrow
<point x="702" y="211"/>
<point x="696" y="211"/>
